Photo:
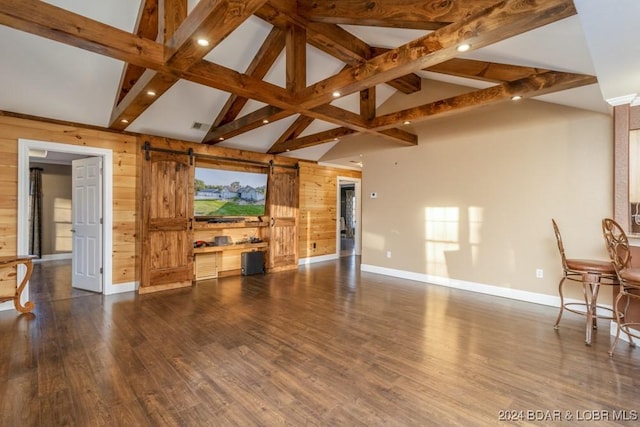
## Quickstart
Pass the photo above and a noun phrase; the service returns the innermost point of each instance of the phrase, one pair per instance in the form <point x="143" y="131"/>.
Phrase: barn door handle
<point x="273" y="221"/>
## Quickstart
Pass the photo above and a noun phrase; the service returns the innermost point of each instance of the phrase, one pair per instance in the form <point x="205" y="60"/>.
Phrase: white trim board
<point x="120" y="288"/>
<point x="54" y="257"/>
<point x="319" y="258"/>
<point x="499" y="291"/>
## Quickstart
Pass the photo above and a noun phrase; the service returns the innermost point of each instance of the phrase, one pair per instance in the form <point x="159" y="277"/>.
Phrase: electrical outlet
<point x="539" y="273"/>
<point x="388" y="254"/>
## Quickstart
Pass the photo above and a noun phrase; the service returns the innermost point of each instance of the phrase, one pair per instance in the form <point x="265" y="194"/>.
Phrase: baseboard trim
<point x="319" y="258"/>
<point x="499" y="291"/>
<point x="120" y="288"/>
<point x="8" y="305"/>
<point x="53" y="257"/>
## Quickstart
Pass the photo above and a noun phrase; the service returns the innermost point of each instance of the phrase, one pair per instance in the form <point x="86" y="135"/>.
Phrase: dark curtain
<point x="35" y="212"/>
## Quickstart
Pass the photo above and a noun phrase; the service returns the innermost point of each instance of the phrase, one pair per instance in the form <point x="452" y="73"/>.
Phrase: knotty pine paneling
<point x="318" y="201"/>
<point x="125" y="168"/>
<point x="317" y="187"/>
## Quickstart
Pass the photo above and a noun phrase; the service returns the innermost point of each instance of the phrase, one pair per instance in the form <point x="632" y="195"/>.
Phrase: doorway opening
<point x="68" y="152"/>
<point x="348" y="230"/>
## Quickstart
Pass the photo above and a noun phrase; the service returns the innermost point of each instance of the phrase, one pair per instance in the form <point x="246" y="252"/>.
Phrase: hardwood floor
<point x="347" y="247"/>
<point x="324" y="345"/>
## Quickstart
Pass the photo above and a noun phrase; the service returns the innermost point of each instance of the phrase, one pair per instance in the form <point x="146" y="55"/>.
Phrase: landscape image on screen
<point x="229" y="193"/>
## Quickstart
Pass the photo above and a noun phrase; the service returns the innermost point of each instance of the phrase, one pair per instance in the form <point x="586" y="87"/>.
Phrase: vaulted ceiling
<point x="285" y="76"/>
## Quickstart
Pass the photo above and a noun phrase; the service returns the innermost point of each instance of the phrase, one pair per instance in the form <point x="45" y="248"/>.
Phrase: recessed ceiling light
<point x="336" y="94"/>
<point x="516" y="97"/>
<point x="406" y="122"/>
<point x="265" y="121"/>
<point x="221" y="138"/>
<point x="287" y="150"/>
<point x="463" y="47"/>
<point x="151" y="93"/>
<point x="124" y="121"/>
<point x="203" y="42"/>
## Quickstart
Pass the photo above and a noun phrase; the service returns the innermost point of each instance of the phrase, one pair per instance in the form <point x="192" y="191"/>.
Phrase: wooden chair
<point x="590" y="274"/>
<point x="629" y="278"/>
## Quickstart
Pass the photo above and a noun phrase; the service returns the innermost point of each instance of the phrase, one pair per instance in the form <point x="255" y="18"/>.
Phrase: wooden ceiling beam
<point x="54" y="23"/>
<point x="343" y="45"/>
<point x="297" y="143"/>
<point x="334" y="41"/>
<point x="253" y="120"/>
<point x="485" y="71"/>
<point x="503" y="20"/>
<point x="424" y="15"/>
<point x="295" y="130"/>
<point x="536" y="85"/>
<point x="147" y="27"/>
<point x="339" y="116"/>
<point x="477" y="70"/>
<point x="296" y="59"/>
<point x="332" y="114"/>
<point x="172" y="14"/>
<point x="212" y="20"/>
<point x="398" y="136"/>
<point x="311" y="140"/>
<point x="149" y="85"/>
<point x="260" y="65"/>
<point x="368" y="103"/>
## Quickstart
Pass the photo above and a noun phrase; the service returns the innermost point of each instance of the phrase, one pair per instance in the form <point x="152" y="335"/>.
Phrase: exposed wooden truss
<point x="163" y="50"/>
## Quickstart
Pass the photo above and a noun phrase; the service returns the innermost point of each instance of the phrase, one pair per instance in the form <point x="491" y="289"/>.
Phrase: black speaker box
<point x="252" y="263"/>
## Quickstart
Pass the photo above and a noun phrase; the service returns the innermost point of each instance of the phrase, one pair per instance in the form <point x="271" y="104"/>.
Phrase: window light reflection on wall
<point x="441" y="236"/>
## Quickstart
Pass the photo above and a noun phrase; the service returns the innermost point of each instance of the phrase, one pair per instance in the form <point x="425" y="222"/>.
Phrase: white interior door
<point x="86" y="264"/>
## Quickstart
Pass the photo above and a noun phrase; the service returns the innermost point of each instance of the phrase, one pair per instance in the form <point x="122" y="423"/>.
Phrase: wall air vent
<point x="201" y="126"/>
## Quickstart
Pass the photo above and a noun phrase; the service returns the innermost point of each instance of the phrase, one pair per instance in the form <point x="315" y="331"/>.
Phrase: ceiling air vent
<point x="200" y="126"/>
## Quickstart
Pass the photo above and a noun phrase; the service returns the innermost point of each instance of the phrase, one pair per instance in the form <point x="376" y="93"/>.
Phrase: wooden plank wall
<point x="318" y="205"/>
<point x="125" y="173"/>
<point x="317" y="186"/>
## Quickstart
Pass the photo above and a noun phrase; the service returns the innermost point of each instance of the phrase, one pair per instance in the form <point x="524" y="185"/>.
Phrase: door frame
<point x="107" y="198"/>
<point x="357" y="235"/>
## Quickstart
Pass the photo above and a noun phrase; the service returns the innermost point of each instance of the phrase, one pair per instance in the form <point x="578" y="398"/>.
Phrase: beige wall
<point x="56" y="208"/>
<point x="474" y="200"/>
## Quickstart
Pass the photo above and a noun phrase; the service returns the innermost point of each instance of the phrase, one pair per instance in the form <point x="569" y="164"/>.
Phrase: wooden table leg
<point x="28" y="306"/>
<point x="14" y="261"/>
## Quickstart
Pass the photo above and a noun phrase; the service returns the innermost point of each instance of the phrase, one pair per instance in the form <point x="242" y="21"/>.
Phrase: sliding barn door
<point x="167" y="221"/>
<point x="282" y="198"/>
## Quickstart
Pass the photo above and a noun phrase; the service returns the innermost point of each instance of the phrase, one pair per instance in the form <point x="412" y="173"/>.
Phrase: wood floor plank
<point x="56" y="408"/>
<point x="323" y="345"/>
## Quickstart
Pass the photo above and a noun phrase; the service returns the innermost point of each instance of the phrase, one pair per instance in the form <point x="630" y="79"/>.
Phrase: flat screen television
<point x="228" y="193"/>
